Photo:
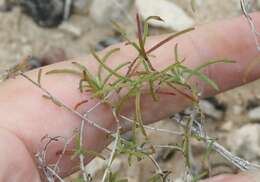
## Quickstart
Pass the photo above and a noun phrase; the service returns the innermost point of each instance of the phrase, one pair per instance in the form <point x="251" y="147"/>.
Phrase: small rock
<point x="218" y="105"/>
<point x="95" y="166"/>
<point x="98" y="164"/>
<point x="254" y="114"/>
<point x="53" y="55"/>
<point x="237" y="109"/>
<point x="245" y="141"/>
<point x="34" y="62"/>
<point x="165" y="154"/>
<point x="179" y="180"/>
<point x="47" y="13"/>
<point x="81" y="6"/>
<point x="210" y="110"/>
<point x="227" y="126"/>
<point x="116" y="165"/>
<point x="6" y="6"/>
<point x="175" y="18"/>
<point x="103" y="11"/>
<point x="70" y="28"/>
<point x="108" y="42"/>
<point x="252" y="103"/>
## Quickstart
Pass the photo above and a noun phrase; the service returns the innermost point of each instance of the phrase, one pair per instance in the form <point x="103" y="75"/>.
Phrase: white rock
<point x="70" y="28"/>
<point x="98" y="165"/>
<point x="237" y="109"/>
<point x="227" y="126"/>
<point x="175" y="18"/>
<point x="95" y="166"/>
<point x="209" y="109"/>
<point x="103" y="11"/>
<point x="245" y="141"/>
<point x="81" y="6"/>
<point x="254" y="114"/>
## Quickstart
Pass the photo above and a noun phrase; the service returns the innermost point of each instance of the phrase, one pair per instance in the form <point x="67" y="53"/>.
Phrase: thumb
<point x="253" y="176"/>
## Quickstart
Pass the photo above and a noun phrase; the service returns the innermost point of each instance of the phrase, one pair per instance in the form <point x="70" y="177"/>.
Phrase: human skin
<point x="26" y="116"/>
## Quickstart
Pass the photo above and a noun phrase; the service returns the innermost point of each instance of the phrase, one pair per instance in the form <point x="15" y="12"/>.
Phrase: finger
<point x="244" y="177"/>
<point x="16" y="162"/>
<point x="31" y="117"/>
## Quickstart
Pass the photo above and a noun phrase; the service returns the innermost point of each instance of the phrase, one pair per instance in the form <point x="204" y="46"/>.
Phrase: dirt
<point x="21" y="37"/>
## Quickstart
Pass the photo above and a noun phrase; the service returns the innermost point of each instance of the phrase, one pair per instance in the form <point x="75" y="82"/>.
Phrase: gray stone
<point x="254" y="114"/>
<point x="209" y="109"/>
<point x="175" y="18"/>
<point x="103" y="11"/>
<point x="70" y="28"/>
<point x="81" y="6"/>
<point x="245" y="141"/>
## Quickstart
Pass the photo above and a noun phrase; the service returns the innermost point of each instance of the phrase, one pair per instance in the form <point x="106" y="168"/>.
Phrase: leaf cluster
<point x="134" y="78"/>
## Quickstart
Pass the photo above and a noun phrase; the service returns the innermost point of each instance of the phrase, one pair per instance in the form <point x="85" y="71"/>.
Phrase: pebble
<point x="47" y="13"/>
<point x="81" y="6"/>
<point x="108" y="42"/>
<point x="53" y="55"/>
<point x="227" y="126"/>
<point x="237" y="109"/>
<point x="174" y="17"/>
<point x="210" y="110"/>
<point x="5" y="6"/>
<point x="252" y="103"/>
<point x="104" y="11"/>
<point x="254" y="114"/>
<point x="245" y="141"/>
<point x="70" y="28"/>
<point x="98" y="165"/>
<point x="95" y="166"/>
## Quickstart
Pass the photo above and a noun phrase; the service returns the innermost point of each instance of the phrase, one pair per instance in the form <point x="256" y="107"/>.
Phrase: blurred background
<point x="67" y="28"/>
<point x="49" y="31"/>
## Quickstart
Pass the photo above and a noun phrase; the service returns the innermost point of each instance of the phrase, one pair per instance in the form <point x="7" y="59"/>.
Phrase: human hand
<point x="26" y="117"/>
<point x="243" y="177"/>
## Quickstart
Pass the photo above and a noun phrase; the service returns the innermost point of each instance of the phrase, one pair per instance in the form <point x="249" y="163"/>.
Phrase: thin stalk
<point x="113" y="152"/>
<point x="56" y="101"/>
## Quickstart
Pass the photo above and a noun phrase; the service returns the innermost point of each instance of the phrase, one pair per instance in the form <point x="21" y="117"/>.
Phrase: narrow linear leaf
<point x="146" y="26"/>
<point x="105" y="58"/>
<point x="156" y="46"/>
<point x="39" y="76"/>
<point x="85" y="69"/>
<point x="186" y="143"/>
<point x="139" y="114"/>
<point x="109" y="69"/>
<point x="201" y="76"/>
<point x="79" y="104"/>
<point x="116" y="69"/>
<point x="53" y="100"/>
<point x="63" y="71"/>
<point x="199" y="68"/>
<point x="193" y="5"/>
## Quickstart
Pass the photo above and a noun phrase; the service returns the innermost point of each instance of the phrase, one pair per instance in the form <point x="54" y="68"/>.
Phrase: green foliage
<point x="193" y="5"/>
<point x="133" y="149"/>
<point x="113" y="177"/>
<point x="80" y="150"/>
<point x="130" y="80"/>
<point x="200" y="177"/>
<point x="160" y="177"/>
<point x="79" y="180"/>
